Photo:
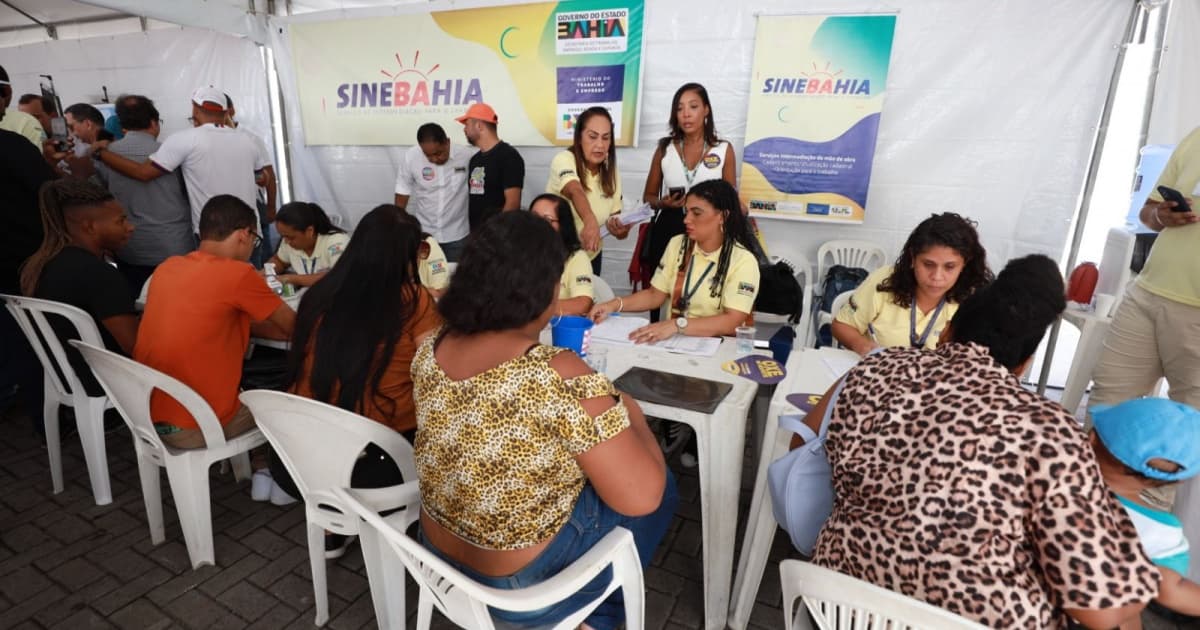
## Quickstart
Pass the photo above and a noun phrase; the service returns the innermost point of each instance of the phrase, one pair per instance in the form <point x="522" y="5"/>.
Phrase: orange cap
<point x="479" y="111"/>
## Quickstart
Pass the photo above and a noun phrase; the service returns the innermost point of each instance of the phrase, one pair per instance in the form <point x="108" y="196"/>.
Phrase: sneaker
<point x="260" y="485"/>
<point x="336" y="545"/>
<point x="687" y="460"/>
<point x="279" y="497"/>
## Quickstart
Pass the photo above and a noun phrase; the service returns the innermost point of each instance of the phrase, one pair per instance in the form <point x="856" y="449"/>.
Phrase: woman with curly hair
<point x="910" y="303"/>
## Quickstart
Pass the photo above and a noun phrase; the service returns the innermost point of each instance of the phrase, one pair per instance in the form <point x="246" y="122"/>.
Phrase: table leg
<point x="720" y="466"/>
<point x="760" y="530"/>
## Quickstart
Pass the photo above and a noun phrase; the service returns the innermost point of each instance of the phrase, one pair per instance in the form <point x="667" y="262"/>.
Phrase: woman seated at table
<point x="575" y="291"/>
<point x="311" y="245"/>
<point x="709" y="274"/>
<point x="909" y="304"/>
<point x="433" y="270"/>
<point x="586" y="175"/>
<point x="956" y="485"/>
<point x="356" y="334"/>
<point x="526" y="457"/>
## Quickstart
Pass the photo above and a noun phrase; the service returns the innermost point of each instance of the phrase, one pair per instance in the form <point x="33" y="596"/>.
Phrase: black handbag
<point x="778" y="291"/>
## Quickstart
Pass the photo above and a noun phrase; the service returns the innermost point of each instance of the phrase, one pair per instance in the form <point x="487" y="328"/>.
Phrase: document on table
<point x="615" y="330"/>
<point x="838" y="364"/>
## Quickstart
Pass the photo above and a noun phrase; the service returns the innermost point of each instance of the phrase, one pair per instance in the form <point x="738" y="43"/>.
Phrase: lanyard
<point x="913" y="340"/>
<point x="690" y="174"/>
<point x="686" y="298"/>
<point x="304" y="263"/>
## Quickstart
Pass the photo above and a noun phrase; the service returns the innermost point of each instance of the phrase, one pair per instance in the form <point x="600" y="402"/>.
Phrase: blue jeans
<point x="590" y="521"/>
<point x="453" y="249"/>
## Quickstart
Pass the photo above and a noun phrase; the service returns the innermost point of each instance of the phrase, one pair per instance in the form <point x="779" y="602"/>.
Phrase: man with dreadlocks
<point x="83" y="224"/>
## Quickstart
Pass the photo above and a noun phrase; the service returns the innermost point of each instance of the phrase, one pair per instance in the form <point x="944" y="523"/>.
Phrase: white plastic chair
<point x="63" y="387"/>
<point x="319" y="444"/>
<point x="129" y="384"/>
<point x="824" y="318"/>
<point x="862" y="254"/>
<point x="840" y="601"/>
<point x="465" y="602"/>
<point x="601" y="291"/>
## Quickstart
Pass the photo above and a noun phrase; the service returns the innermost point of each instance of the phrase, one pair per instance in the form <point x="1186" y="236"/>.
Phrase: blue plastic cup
<point x="572" y="332"/>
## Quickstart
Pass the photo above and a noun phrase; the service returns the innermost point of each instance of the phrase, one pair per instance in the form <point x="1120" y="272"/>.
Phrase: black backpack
<point x="838" y="280"/>
<point x="778" y="291"/>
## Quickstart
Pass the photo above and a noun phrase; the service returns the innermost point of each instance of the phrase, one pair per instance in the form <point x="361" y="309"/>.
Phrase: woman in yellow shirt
<point x="586" y="175"/>
<point x="910" y="303"/>
<point x="709" y="274"/>
<point x="575" y="291"/>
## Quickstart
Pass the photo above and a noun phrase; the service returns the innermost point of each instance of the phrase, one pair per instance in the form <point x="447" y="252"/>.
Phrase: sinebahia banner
<point x="375" y="81"/>
<point x="816" y="94"/>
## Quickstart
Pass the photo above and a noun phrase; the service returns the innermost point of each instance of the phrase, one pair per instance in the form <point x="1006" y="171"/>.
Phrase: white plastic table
<point x="280" y="344"/>
<point x="808" y="373"/>
<point x="720" y="438"/>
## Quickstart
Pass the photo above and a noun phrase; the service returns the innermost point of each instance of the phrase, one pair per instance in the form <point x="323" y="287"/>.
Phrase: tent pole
<point x="1140" y="19"/>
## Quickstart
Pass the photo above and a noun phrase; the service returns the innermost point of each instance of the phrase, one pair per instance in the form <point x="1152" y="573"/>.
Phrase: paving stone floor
<point x="67" y="563"/>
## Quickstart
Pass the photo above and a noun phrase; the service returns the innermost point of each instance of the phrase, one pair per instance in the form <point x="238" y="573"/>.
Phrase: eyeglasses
<point x="257" y="239"/>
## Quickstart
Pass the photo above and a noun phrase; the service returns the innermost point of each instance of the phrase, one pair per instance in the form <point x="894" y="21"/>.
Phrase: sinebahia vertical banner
<point x="375" y="81"/>
<point x="816" y="94"/>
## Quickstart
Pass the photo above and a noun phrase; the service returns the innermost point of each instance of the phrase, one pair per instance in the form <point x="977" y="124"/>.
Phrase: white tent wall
<point x="164" y="64"/>
<point x="990" y="111"/>
<point x="1175" y="112"/>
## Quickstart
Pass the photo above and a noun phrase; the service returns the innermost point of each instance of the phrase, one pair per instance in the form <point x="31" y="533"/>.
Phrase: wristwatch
<point x="681" y="324"/>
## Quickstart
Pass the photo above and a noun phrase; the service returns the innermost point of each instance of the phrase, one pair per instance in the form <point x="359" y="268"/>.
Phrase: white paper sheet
<point x="838" y="364"/>
<point x="637" y="215"/>
<point x="615" y="331"/>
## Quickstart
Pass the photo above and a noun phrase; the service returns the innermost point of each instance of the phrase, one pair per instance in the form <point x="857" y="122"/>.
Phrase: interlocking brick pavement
<point x="67" y="563"/>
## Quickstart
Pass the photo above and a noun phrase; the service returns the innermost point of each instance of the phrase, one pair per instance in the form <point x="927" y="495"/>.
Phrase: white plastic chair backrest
<point x="839" y="302"/>
<point x="1114" y="265"/>
<point x="145" y="290"/>
<point x="319" y="443"/>
<point x="862" y="254"/>
<point x="129" y="384"/>
<point x="30" y="314"/>
<point x="840" y="601"/>
<point x="465" y="602"/>
<point x="601" y="292"/>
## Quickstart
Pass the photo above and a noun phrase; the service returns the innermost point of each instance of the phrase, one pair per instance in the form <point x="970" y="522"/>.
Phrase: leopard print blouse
<point x="957" y="486"/>
<point x="495" y="453"/>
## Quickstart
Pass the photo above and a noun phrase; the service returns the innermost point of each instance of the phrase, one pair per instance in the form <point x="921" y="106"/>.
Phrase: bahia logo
<point x="410" y="87"/>
<point x="818" y="82"/>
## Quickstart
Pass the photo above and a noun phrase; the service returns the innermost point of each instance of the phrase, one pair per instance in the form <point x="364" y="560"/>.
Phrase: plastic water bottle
<point x="272" y="279"/>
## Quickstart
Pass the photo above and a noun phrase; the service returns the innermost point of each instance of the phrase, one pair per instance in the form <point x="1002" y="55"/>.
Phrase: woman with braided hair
<point x="709" y="274"/>
<point x="83" y="225"/>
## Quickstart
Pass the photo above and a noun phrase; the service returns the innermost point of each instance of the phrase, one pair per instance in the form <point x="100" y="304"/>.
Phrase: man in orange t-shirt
<point x="198" y="320"/>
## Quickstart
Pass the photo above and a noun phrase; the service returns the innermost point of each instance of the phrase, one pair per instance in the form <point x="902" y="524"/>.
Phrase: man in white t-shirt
<point x="215" y="159"/>
<point x="432" y="186"/>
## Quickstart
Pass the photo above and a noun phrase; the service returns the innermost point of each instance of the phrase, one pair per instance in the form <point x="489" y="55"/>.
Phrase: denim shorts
<point x="590" y="521"/>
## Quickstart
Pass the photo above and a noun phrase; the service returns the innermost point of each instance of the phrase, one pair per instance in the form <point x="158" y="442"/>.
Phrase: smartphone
<point x="675" y="191"/>
<point x="1170" y="194"/>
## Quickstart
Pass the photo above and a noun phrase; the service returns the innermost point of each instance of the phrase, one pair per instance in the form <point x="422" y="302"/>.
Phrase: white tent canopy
<point x="991" y="110"/>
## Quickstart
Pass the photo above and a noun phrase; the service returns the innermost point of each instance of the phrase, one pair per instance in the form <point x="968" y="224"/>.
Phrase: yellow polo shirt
<point x="1172" y="271"/>
<point x="433" y="270"/>
<point x="873" y="313"/>
<point x="562" y="172"/>
<point x="737" y="291"/>
<point x="576" y="277"/>
<point x="326" y="252"/>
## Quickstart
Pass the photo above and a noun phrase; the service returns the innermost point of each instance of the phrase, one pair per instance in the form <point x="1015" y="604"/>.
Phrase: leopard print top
<point x="495" y="453"/>
<point x="957" y="486"/>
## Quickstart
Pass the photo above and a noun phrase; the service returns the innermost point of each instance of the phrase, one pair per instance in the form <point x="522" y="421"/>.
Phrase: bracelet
<point x="1157" y="220"/>
<point x="620" y="304"/>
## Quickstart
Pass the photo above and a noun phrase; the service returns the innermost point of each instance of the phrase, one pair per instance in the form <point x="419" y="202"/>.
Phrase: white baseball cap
<point x="209" y="98"/>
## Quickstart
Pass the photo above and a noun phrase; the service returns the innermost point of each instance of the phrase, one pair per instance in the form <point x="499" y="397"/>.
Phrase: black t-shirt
<point x="77" y="277"/>
<point x="491" y="172"/>
<point x="22" y="173"/>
